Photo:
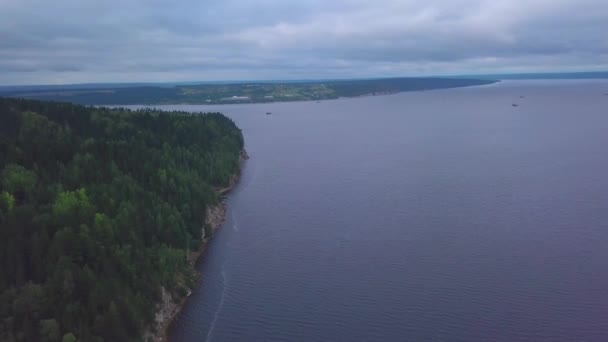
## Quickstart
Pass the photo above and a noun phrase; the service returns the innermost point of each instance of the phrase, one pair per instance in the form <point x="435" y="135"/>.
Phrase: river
<point x="448" y="215"/>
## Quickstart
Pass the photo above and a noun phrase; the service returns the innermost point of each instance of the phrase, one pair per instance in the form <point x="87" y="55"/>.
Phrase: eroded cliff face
<point x="169" y="306"/>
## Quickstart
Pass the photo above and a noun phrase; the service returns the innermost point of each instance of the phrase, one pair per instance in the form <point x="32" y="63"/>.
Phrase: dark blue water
<point x="431" y="216"/>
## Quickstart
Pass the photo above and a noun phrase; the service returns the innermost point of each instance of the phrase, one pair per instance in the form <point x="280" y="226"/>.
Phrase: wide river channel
<point x="470" y="214"/>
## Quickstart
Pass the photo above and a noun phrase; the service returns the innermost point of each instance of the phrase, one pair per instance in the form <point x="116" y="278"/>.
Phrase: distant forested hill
<point x="236" y="92"/>
<point x="99" y="209"/>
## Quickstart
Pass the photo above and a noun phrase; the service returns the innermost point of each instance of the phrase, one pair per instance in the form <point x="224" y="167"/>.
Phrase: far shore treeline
<point x="99" y="209"/>
<point x="236" y="92"/>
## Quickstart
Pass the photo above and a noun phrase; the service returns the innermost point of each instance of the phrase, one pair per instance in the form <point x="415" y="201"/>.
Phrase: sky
<point x="93" y="41"/>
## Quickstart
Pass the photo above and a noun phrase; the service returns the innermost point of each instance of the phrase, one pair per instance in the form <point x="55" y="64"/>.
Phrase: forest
<point x="99" y="209"/>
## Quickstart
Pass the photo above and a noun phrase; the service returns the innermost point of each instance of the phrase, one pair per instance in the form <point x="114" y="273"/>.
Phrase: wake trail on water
<point x="219" y="307"/>
<point x="235" y="225"/>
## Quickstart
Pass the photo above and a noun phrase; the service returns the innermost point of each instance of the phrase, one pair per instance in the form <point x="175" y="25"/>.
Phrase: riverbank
<point x="168" y="308"/>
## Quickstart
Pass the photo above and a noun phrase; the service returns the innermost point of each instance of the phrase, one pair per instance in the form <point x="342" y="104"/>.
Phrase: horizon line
<point x="495" y="76"/>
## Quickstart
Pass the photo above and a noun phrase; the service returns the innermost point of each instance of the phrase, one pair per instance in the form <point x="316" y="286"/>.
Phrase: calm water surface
<point x="446" y="215"/>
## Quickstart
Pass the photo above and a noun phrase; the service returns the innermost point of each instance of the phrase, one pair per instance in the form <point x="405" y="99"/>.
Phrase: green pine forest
<point x="99" y="209"/>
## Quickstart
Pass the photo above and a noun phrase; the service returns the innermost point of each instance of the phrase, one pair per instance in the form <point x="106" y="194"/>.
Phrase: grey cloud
<point x="66" y="41"/>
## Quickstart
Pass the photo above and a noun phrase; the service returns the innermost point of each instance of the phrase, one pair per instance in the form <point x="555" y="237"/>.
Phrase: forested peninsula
<point x="101" y="211"/>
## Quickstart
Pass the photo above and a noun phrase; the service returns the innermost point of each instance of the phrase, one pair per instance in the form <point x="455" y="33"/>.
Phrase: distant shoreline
<point x="246" y="93"/>
<point x="289" y="101"/>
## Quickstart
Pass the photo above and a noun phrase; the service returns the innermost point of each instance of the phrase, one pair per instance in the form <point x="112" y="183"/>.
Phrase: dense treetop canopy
<point x="99" y="209"/>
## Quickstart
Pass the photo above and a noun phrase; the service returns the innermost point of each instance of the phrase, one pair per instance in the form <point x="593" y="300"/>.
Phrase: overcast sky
<point x="86" y="41"/>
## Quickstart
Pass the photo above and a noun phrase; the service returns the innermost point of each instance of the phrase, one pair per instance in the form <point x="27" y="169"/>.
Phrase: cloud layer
<point x="75" y="41"/>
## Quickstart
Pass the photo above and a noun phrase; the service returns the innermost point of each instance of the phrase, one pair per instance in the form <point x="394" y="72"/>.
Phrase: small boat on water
<point x="515" y="105"/>
<point x="268" y="113"/>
